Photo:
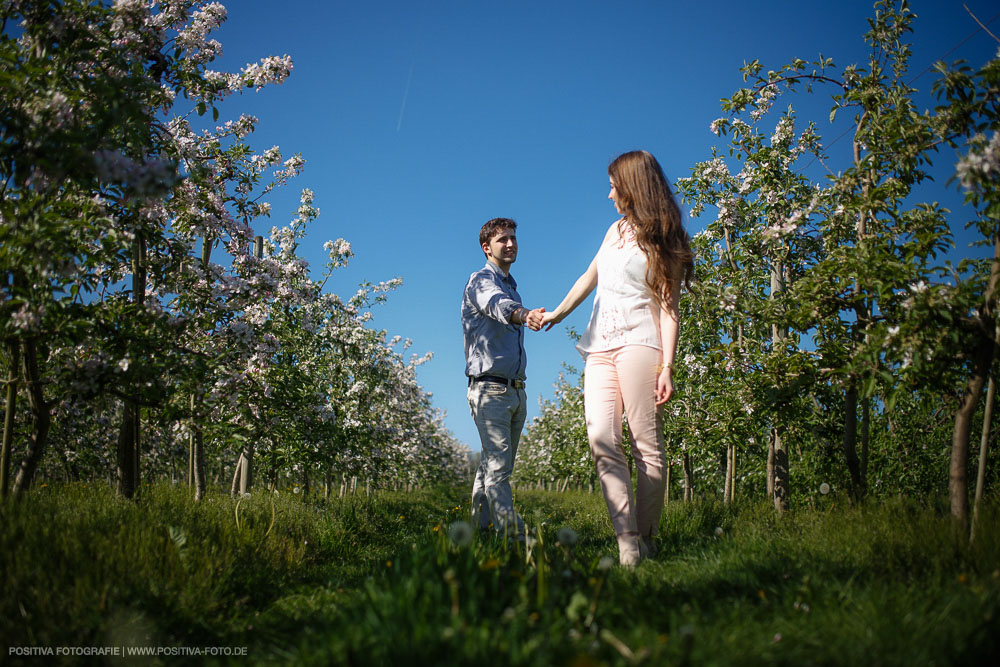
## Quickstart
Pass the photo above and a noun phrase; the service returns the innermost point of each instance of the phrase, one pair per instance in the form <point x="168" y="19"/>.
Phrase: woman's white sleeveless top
<point x="625" y="312"/>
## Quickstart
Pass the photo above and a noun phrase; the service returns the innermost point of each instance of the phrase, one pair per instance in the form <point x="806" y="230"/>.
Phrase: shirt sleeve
<point x="491" y="300"/>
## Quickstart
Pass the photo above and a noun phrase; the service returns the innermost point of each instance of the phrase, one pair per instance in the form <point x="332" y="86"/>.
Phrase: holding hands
<point x="538" y="318"/>
<point x="533" y="318"/>
<point x="549" y="320"/>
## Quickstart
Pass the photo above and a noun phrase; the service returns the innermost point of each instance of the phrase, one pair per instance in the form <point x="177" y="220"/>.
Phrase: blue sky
<point x="421" y="120"/>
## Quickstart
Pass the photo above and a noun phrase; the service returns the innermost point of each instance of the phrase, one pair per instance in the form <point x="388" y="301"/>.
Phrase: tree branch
<point x="974" y="18"/>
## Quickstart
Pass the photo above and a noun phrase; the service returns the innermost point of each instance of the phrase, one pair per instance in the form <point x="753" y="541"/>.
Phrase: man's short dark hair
<point x="492" y="227"/>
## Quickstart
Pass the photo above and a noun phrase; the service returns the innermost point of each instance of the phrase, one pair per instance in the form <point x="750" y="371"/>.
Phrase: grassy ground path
<point x="399" y="579"/>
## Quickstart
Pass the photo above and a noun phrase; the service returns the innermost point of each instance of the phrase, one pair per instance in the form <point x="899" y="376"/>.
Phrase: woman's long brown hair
<point x="647" y="202"/>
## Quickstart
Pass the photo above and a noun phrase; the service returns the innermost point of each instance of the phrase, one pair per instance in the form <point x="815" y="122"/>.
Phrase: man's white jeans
<point x="499" y="412"/>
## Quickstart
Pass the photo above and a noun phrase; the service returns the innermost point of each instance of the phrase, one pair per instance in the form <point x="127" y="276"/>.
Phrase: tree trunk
<point x="246" y="469"/>
<point x="863" y="309"/>
<point x="782" y="490"/>
<point x="234" y="488"/>
<point x="139" y="280"/>
<point x="688" y="478"/>
<point x="197" y="444"/>
<point x="727" y="494"/>
<point x="243" y="476"/>
<point x="850" y="439"/>
<point x="136" y="460"/>
<point x="866" y="419"/>
<point x="10" y="407"/>
<point x="958" y="485"/>
<point x="198" y="447"/>
<point x="982" y="363"/>
<point x="130" y="429"/>
<point x="984" y="444"/>
<point x="190" y="465"/>
<point x="40" y="412"/>
<point x="127" y="452"/>
<point x="770" y="463"/>
<point x="666" y="494"/>
<point x="781" y="474"/>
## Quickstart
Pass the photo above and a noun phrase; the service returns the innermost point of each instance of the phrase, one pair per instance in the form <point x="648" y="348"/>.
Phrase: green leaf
<point x="890" y="401"/>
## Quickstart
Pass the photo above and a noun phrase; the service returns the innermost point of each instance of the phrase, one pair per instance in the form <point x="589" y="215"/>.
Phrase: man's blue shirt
<point x="493" y="345"/>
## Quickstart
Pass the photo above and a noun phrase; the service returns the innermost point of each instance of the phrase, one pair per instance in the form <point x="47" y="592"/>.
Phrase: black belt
<point x="516" y="384"/>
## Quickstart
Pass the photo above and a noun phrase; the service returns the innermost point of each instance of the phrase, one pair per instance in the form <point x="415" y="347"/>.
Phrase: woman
<point x="630" y="342"/>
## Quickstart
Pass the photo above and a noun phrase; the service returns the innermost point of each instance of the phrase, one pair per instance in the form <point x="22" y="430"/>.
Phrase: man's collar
<point x="490" y="264"/>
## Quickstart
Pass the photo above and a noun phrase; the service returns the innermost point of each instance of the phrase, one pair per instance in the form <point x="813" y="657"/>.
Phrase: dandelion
<point x="460" y="534"/>
<point x="566" y="536"/>
<point x="719" y="531"/>
<point x="824" y="488"/>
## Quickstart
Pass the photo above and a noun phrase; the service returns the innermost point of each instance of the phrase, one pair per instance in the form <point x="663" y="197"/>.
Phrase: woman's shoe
<point x="629" y="550"/>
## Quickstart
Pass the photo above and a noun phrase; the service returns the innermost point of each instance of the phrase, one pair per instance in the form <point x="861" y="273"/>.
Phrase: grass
<point x="382" y="581"/>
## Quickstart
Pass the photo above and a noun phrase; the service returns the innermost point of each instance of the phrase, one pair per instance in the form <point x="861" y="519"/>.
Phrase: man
<point x="493" y="322"/>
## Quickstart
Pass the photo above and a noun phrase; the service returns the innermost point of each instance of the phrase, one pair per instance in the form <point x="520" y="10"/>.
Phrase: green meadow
<point x="400" y="579"/>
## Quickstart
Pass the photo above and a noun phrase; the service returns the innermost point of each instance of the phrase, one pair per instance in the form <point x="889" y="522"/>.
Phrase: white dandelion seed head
<point x="567" y="536"/>
<point x="460" y="533"/>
